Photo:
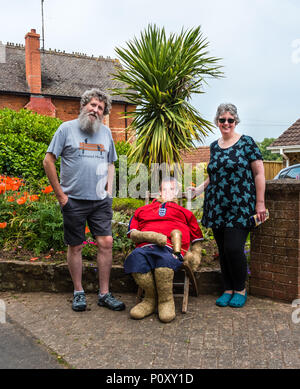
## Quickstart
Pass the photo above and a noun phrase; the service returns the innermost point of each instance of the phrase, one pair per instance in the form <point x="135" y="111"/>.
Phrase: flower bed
<point x="31" y="227"/>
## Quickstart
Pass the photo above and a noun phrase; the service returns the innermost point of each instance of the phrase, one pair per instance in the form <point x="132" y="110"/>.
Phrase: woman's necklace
<point x="228" y="142"/>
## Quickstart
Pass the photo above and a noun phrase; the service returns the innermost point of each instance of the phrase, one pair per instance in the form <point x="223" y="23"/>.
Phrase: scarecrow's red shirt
<point x="163" y="218"/>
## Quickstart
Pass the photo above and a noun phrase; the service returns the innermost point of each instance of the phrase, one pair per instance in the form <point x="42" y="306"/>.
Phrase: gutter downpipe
<point x="285" y="157"/>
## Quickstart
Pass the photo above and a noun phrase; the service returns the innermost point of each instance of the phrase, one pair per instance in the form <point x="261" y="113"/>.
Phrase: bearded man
<point x="84" y="192"/>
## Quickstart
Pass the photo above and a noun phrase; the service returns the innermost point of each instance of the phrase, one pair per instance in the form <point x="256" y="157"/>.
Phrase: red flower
<point x="21" y="200"/>
<point x="34" y="198"/>
<point x="48" y="189"/>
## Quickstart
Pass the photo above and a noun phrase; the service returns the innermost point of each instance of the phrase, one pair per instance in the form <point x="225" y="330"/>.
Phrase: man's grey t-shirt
<point x="84" y="160"/>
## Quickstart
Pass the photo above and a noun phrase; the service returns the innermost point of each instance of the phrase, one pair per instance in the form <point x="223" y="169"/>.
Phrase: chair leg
<point x="190" y="274"/>
<point x="185" y="293"/>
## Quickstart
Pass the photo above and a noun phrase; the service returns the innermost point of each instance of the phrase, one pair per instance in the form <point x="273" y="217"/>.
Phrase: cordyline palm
<point x="161" y="74"/>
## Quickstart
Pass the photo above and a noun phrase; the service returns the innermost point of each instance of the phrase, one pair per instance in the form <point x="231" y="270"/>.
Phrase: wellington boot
<point x="164" y="286"/>
<point x="194" y="256"/>
<point x="148" y="305"/>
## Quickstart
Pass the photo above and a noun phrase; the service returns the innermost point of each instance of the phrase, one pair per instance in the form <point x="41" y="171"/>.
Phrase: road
<point x="19" y="350"/>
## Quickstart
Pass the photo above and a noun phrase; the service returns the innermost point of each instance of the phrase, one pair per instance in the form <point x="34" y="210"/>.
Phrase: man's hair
<point x="98" y="94"/>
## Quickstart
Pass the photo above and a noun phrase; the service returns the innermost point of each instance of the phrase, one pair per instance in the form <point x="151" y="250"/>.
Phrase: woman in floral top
<point x="234" y="191"/>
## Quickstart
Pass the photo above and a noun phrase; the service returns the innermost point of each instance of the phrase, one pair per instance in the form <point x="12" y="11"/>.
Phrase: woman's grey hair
<point x="98" y="94"/>
<point x="227" y="107"/>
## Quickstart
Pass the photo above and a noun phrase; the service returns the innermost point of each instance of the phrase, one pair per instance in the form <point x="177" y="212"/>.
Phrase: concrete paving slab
<point x="261" y="335"/>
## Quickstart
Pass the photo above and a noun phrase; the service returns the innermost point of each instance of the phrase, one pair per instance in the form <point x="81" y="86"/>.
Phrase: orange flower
<point x="34" y="198"/>
<point x="14" y="187"/>
<point x="10" y="199"/>
<point x="87" y="230"/>
<point x="8" y="183"/>
<point x="21" y="200"/>
<point x="34" y="259"/>
<point x="48" y="189"/>
<point x="3" y="225"/>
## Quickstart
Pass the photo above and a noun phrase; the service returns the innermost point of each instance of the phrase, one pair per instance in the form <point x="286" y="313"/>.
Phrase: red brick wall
<point x="41" y="105"/>
<point x="66" y="109"/>
<point x="275" y="245"/>
<point x="13" y="102"/>
<point x="117" y="122"/>
<point x="200" y="154"/>
<point x="69" y="109"/>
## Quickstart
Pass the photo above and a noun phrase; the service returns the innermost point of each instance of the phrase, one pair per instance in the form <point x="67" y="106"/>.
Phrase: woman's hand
<point x="261" y="211"/>
<point x="199" y="189"/>
<point x="192" y="190"/>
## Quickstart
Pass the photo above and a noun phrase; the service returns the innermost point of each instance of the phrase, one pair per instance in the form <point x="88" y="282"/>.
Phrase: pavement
<point x="20" y="350"/>
<point x="262" y="335"/>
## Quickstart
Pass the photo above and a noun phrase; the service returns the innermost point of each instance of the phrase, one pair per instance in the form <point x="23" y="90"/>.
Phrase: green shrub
<point x="24" y="139"/>
<point x="39" y="128"/>
<point x="127" y="205"/>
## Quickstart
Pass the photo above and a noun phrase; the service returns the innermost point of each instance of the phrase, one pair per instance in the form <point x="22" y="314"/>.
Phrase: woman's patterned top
<point x="230" y="196"/>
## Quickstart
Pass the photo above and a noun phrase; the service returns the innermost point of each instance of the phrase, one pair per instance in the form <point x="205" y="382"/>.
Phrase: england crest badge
<point x="162" y="211"/>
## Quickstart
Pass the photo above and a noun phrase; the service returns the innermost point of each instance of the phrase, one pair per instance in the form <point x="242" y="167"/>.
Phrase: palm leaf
<point x="159" y="75"/>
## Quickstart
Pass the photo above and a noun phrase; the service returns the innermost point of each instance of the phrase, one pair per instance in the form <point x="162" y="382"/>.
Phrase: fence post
<point x="272" y="168"/>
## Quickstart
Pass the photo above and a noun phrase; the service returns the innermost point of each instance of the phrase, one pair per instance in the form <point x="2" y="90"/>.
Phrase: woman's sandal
<point x="238" y="300"/>
<point x="223" y="301"/>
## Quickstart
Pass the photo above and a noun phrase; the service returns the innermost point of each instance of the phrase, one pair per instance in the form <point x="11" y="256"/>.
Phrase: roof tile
<point x="63" y="74"/>
<point x="290" y="137"/>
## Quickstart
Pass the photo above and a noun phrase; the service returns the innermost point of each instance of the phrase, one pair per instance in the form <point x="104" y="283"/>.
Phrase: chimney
<point x="33" y="61"/>
<point x="37" y="103"/>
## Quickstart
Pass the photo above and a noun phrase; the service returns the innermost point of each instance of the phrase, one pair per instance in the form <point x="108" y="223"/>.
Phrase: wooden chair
<point x="184" y="277"/>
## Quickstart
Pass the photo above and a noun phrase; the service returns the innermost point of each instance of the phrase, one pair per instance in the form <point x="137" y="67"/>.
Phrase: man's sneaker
<point x="109" y="301"/>
<point x="79" y="302"/>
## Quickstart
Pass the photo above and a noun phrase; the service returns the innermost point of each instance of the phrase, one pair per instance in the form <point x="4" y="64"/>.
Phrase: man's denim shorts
<point x="96" y="213"/>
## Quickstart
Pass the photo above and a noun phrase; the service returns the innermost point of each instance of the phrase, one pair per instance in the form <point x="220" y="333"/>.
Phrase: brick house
<point x="288" y="144"/>
<point x="51" y="82"/>
<point x="196" y="155"/>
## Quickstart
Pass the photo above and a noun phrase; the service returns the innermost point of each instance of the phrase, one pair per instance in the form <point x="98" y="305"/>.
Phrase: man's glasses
<point x="223" y="120"/>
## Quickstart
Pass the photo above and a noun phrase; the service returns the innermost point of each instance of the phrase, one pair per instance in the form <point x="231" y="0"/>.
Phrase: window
<point x="283" y="174"/>
<point x="293" y="173"/>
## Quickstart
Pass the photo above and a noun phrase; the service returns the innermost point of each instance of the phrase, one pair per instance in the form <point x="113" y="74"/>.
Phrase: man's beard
<point x="86" y="124"/>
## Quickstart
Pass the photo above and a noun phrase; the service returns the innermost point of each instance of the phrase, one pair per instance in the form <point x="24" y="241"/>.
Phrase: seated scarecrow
<point x="163" y="232"/>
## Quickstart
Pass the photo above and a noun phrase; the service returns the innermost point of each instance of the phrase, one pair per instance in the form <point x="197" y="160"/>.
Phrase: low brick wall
<point x="48" y="277"/>
<point x="275" y="245"/>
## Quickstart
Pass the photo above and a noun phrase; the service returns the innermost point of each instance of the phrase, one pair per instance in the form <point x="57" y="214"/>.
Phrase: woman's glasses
<point x="223" y="120"/>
